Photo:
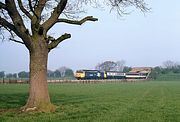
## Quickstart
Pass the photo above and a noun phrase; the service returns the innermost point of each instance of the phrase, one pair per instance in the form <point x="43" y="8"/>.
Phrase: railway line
<point x="18" y="81"/>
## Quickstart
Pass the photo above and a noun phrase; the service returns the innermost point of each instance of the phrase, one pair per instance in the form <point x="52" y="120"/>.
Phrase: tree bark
<point x="39" y="99"/>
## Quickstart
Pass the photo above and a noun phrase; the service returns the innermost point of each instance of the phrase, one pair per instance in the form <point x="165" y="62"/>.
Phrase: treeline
<point x="22" y="74"/>
<point x="62" y="72"/>
<point x="168" y="67"/>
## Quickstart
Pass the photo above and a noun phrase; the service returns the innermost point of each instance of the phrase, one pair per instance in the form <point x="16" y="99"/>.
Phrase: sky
<point x="139" y="39"/>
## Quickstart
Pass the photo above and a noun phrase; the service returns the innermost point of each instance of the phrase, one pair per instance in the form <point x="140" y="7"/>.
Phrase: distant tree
<point x="126" y="69"/>
<point x="97" y="67"/>
<point x="69" y="73"/>
<point x="2" y="74"/>
<point x="50" y="74"/>
<point x="158" y="69"/>
<point x="111" y="66"/>
<point x="165" y="71"/>
<point x="106" y="66"/>
<point x="120" y="65"/>
<point x="11" y="75"/>
<point x="168" y="67"/>
<point x="31" y="20"/>
<point x="169" y="64"/>
<point x="176" y="69"/>
<point x="14" y="75"/>
<point x="57" y="74"/>
<point x="23" y="74"/>
<point x="62" y="71"/>
<point x="65" y="72"/>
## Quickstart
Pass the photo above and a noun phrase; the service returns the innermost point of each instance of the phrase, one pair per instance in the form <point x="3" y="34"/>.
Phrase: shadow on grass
<point x="17" y="100"/>
<point x="69" y="107"/>
<point x="12" y="101"/>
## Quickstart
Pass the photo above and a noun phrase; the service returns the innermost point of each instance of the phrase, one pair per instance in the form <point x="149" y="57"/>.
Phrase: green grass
<point x="154" y="101"/>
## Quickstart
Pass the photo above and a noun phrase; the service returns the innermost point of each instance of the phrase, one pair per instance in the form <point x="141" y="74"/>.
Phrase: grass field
<point x="152" y="101"/>
<point x="169" y="77"/>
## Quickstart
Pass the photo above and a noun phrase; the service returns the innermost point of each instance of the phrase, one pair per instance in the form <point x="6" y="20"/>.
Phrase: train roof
<point x="87" y="70"/>
<point x="97" y="71"/>
<point x="115" y="71"/>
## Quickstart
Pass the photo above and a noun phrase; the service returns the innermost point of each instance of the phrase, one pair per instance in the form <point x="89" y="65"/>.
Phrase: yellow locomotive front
<point x="80" y="75"/>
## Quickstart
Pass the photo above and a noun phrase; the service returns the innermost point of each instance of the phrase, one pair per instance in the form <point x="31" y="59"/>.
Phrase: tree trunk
<point x="39" y="99"/>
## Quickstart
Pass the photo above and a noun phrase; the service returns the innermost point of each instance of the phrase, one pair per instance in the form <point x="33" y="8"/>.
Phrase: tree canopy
<point x="25" y="18"/>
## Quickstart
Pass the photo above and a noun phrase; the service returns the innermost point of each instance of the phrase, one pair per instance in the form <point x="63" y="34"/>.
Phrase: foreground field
<point x="154" y="101"/>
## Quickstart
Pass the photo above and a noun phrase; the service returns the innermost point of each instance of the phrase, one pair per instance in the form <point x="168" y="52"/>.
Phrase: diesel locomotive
<point x="96" y="74"/>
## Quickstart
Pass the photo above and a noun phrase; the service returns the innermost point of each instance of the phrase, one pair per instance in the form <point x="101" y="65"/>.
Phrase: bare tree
<point x="170" y="64"/>
<point x="28" y="23"/>
<point x="111" y="66"/>
<point x="63" y="70"/>
<point x="106" y="66"/>
<point x="120" y="65"/>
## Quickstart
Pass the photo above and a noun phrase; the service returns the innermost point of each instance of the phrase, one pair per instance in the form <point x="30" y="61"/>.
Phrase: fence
<point x="9" y="81"/>
<point x="21" y="81"/>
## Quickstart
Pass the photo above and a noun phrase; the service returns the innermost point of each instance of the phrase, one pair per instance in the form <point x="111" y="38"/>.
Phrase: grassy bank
<point x="168" y="77"/>
<point x="157" y="101"/>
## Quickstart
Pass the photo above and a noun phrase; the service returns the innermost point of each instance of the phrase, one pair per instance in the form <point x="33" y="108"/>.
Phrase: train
<point x="98" y="75"/>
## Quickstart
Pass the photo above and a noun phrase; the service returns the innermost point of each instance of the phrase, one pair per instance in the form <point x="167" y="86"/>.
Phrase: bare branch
<point x="15" y="16"/>
<point x="2" y="6"/>
<point x="41" y="4"/>
<point x="24" y="10"/>
<point x="76" y="22"/>
<point x="2" y="37"/>
<point x="121" y="5"/>
<point x="10" y="31"/>
<point x="54" y="43"/>
<point x="55" y="15"/>
<point x="31" y="8"/>
<point x="14" y="40"/>
<point x="6" y="24"/>
<point x="4" y="14"/>
<point x="36" y="1"/>
<point x="19" y="27"/>
<point x="10" y="26"/>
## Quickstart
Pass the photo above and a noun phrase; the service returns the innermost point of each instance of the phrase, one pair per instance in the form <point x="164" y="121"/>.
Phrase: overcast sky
<point x="140" y="40"/>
